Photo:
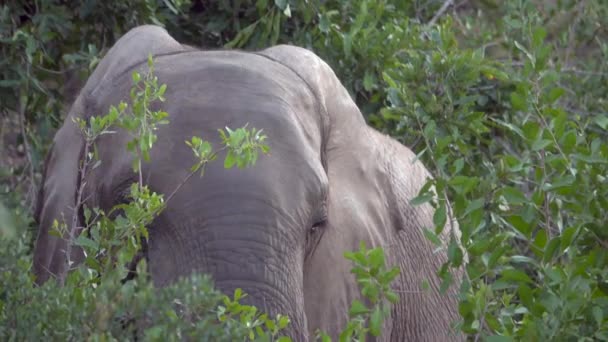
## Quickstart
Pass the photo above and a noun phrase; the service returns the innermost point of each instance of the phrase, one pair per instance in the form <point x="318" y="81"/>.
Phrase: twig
<point x="546" y="208"/>
<point x="27" y="150"/>
<point x="482" y="320"/>
<point x="559" y="149"/>
<point x="564" y="69"/>
<point x="74" y="223"/>
<point x="201" y="166"/>
<point x="180" y="185"/>
<point x="441" y="11"/>
<point x="584" y="72"/>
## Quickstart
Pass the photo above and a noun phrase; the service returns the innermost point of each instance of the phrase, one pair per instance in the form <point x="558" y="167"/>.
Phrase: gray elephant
<point x="277" y="230"/>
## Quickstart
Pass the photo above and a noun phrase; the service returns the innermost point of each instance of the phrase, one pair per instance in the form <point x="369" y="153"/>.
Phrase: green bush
<point x="524" y="166"/>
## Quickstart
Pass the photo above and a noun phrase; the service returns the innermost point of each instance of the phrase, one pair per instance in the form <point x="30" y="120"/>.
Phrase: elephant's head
<point x="277" y="230"/>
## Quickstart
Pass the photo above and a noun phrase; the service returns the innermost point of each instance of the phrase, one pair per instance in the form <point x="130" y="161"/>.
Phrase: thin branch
<point x="546" y="208"/>
<point x="180" y="185"/>
<point x="584" y="72"/>
<point x="202" y="165"/>
<point x="79" y="201"/>
<point x="482" y="320"/>
<point x="441" y="11"/>
<point x="565" y="69"/>
<point x="27" y="150"/>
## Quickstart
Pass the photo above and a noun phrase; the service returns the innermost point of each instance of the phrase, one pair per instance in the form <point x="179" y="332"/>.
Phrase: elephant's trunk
<point x="246" y="249"/>
<point x="272" y="301"/>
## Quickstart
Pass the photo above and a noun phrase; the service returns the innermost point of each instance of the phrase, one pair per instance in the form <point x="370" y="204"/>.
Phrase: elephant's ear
<point x="337" y="106"/>
<point x="57" y="201"/>
<point x="380" y="175"/>
<point x="372" y="179"/>
<point x="59" y="188"/>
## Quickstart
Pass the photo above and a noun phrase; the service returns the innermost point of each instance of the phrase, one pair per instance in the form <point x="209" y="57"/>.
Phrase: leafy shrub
<point x="524" y="173"/>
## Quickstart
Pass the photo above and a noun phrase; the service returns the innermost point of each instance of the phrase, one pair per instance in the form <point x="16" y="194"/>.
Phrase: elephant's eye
<point x="318" y="224"/>
<point x="320" y="218"/>
<point x="314" y="234"/>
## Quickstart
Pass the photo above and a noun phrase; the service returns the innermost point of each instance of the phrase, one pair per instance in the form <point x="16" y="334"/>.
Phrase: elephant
<point x="277" y="230"/>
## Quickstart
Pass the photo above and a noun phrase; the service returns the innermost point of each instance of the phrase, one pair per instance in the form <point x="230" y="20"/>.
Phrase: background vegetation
<point x="505" y="102"/>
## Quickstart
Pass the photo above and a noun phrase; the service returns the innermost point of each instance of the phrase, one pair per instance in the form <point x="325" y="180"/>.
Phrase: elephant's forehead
<point x="349" y="206"/>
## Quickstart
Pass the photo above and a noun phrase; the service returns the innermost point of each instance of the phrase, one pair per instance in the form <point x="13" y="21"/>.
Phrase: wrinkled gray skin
<point x="253" y="228"/>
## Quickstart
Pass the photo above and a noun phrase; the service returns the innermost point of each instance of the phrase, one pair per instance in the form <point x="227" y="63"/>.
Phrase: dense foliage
<point x="503" y="101"/>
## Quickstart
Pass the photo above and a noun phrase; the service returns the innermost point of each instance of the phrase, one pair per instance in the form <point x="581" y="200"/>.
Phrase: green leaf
<point x="525" y="51"/>
<point x="357" y="308"/>
<point x="602" y="121"/>
<point x="376" y="258"/>
<point x="230" y="160"/>
<point x="392" y="297"/>
<point x="136" y="77"/>
<point x="590" y="159"/>
<point x="281" y="4"/>
<point x="447" y="279"/>
<point x="162" y="89"/>
<point x="242" y="36"/>
<point x="84" y="241"/>
<point x="513" y="128"/>
<point x="568" y="236"/>
<point x="491" y="72"/>
<point x="283" y="321"/>
<point x="347" y="44"/>
<point x="455" y="254"/>
<point x="421" y="199"/>
<point x="559" y="183"/>
<point x="431" y="236"/>
<point x="524" y="259"/>
<point x="540" y="240"/>
<point x="525" y="294"/>
<point x="439" y="218"/>
<point x="513" y="195"/>
<point x="375" y="322"/>
<point x="369" y="80"/>
<point x="551" y="248"/>
<point x="521" y="225"/>
<point x="568" y="140"/>
<point x="324" y="23"/>
<point x="598" y="315"/>
<point x="287" y="11"/>
<point x="474" y="205"/>
<point x="538" y="36"/>
<point x="555" y="94"/>
<point x="532" y="130"/>
<point x="517" y="275"/>
<point x="540" y="144"/>
<point x="463" y="184"/>
<point x="387" y="277"/>
<point x="357" y="257"/>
